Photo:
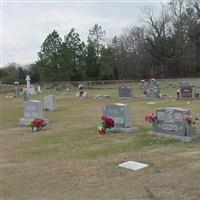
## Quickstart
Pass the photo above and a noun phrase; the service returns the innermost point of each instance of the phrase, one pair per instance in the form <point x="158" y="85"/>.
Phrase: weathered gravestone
<point x="152" y="89"/>
<point x="153" y="93"/>
<point x="50" y="103"/>
<point x="32" y="109"/>
<point x="121" y="116"/>
<point x="60" y="87"/>
<point x="28" y="83"/>
<point x="39" y="89"/>
<point x="125" y="92"/>
<point x="26" y="95"/>
<point x="102" y="96"/>
<point x="170" y="123"/>
<point x="32" y="90"/>
<point x="16" y="89"/>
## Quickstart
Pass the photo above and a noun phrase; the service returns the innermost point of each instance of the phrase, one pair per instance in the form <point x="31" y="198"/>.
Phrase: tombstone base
<point x="176" y="137"/>
<point x="123" y="130"/>
<point x="26" y="121"/>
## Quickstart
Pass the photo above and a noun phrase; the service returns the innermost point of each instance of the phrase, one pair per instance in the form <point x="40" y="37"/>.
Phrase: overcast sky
<point x="25" y="25"/>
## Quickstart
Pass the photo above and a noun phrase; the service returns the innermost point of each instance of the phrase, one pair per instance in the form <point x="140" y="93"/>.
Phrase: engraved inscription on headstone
<point x="170" y="121"/>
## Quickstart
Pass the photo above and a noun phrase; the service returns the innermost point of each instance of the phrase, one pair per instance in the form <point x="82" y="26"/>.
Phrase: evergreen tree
<point x="49" y="57"/>
<point x="73" y="56"/>
<point x="95" y="44"/>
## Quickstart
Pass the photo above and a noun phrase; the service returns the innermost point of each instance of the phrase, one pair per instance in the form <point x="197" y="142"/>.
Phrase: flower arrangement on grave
<point x="37" y="124"/>
<point x="151" y="118"/>
<point x="188" y="119"/>
<point x="106" y="123"/>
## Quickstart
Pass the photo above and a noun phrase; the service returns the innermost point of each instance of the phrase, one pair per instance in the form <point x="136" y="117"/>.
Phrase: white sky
<point x="26" y="24"/>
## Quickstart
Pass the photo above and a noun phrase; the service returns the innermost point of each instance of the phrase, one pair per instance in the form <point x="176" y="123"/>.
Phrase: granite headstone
<point x="121" y="116"/>
<point x="125" y="92"/>
<point x="170" y="123"/>
<point x="32" y="109"/>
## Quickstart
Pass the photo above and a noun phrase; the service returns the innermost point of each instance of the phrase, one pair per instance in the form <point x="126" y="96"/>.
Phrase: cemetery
<point x="100" y="100"/>
<point x="69" y="154"/>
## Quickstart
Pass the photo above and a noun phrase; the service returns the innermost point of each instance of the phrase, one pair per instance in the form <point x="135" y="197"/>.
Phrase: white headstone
<point x="39" y="89"/>
<point x="28" y="84"/>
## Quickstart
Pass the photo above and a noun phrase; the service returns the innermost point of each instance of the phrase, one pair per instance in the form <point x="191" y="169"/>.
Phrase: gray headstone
<point x="153" y="92"/>
<point x="102" y="96"/>
<point x="125" y="92"/>
<point x="50" y="103"/>
<point x="170" y="122"/>
<point x="187" y="91"/>
<point x="32" y="109"/>
<point x="26" y="95"/>
<point x="152" y="83"/>
<point x="121" y="116"/>
<point x="32" y="90"/>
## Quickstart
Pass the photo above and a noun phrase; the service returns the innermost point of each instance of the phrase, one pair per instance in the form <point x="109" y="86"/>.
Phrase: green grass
<point x="85" y="144"/>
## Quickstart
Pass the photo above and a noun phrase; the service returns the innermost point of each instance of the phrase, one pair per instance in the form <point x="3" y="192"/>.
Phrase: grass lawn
<point x="71" y="161"/>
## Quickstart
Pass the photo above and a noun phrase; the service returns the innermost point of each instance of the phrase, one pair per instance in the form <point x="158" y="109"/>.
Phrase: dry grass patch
<point x="71" y="161"/>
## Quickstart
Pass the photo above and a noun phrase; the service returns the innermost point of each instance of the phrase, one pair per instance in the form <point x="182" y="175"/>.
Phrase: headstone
<point x="60" y="87"/>
<point x="28" y="84"/>
<point x="125" y="92"/>
<point x="121" y="116"/>
<point x="32" y="109"/>
<point x="133" y="165"/>
<point x="32" y="90"/>
<point x="153" y="92"/>
<point x="187" y="91"/>
<point x="102" y="96"/>
<point x="26" y="95"/>
<point x="50" y="103"/>
<point x="16" y="89"/>
<point x="39" y="89"/>
<point x="170" y="123"/>
<point x="153" y="83"/>
<point x="69" y="86"/>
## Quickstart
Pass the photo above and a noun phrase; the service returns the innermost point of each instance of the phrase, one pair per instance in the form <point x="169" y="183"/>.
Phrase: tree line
<point x="163" y="46"/>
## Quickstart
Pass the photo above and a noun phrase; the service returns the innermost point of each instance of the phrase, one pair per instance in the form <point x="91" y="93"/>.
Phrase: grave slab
<point x="133" y="165"/>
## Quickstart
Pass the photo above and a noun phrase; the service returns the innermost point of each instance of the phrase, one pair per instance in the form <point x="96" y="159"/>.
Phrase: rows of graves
<point x="150" y="88"/>
<point x="169" y="122"/>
